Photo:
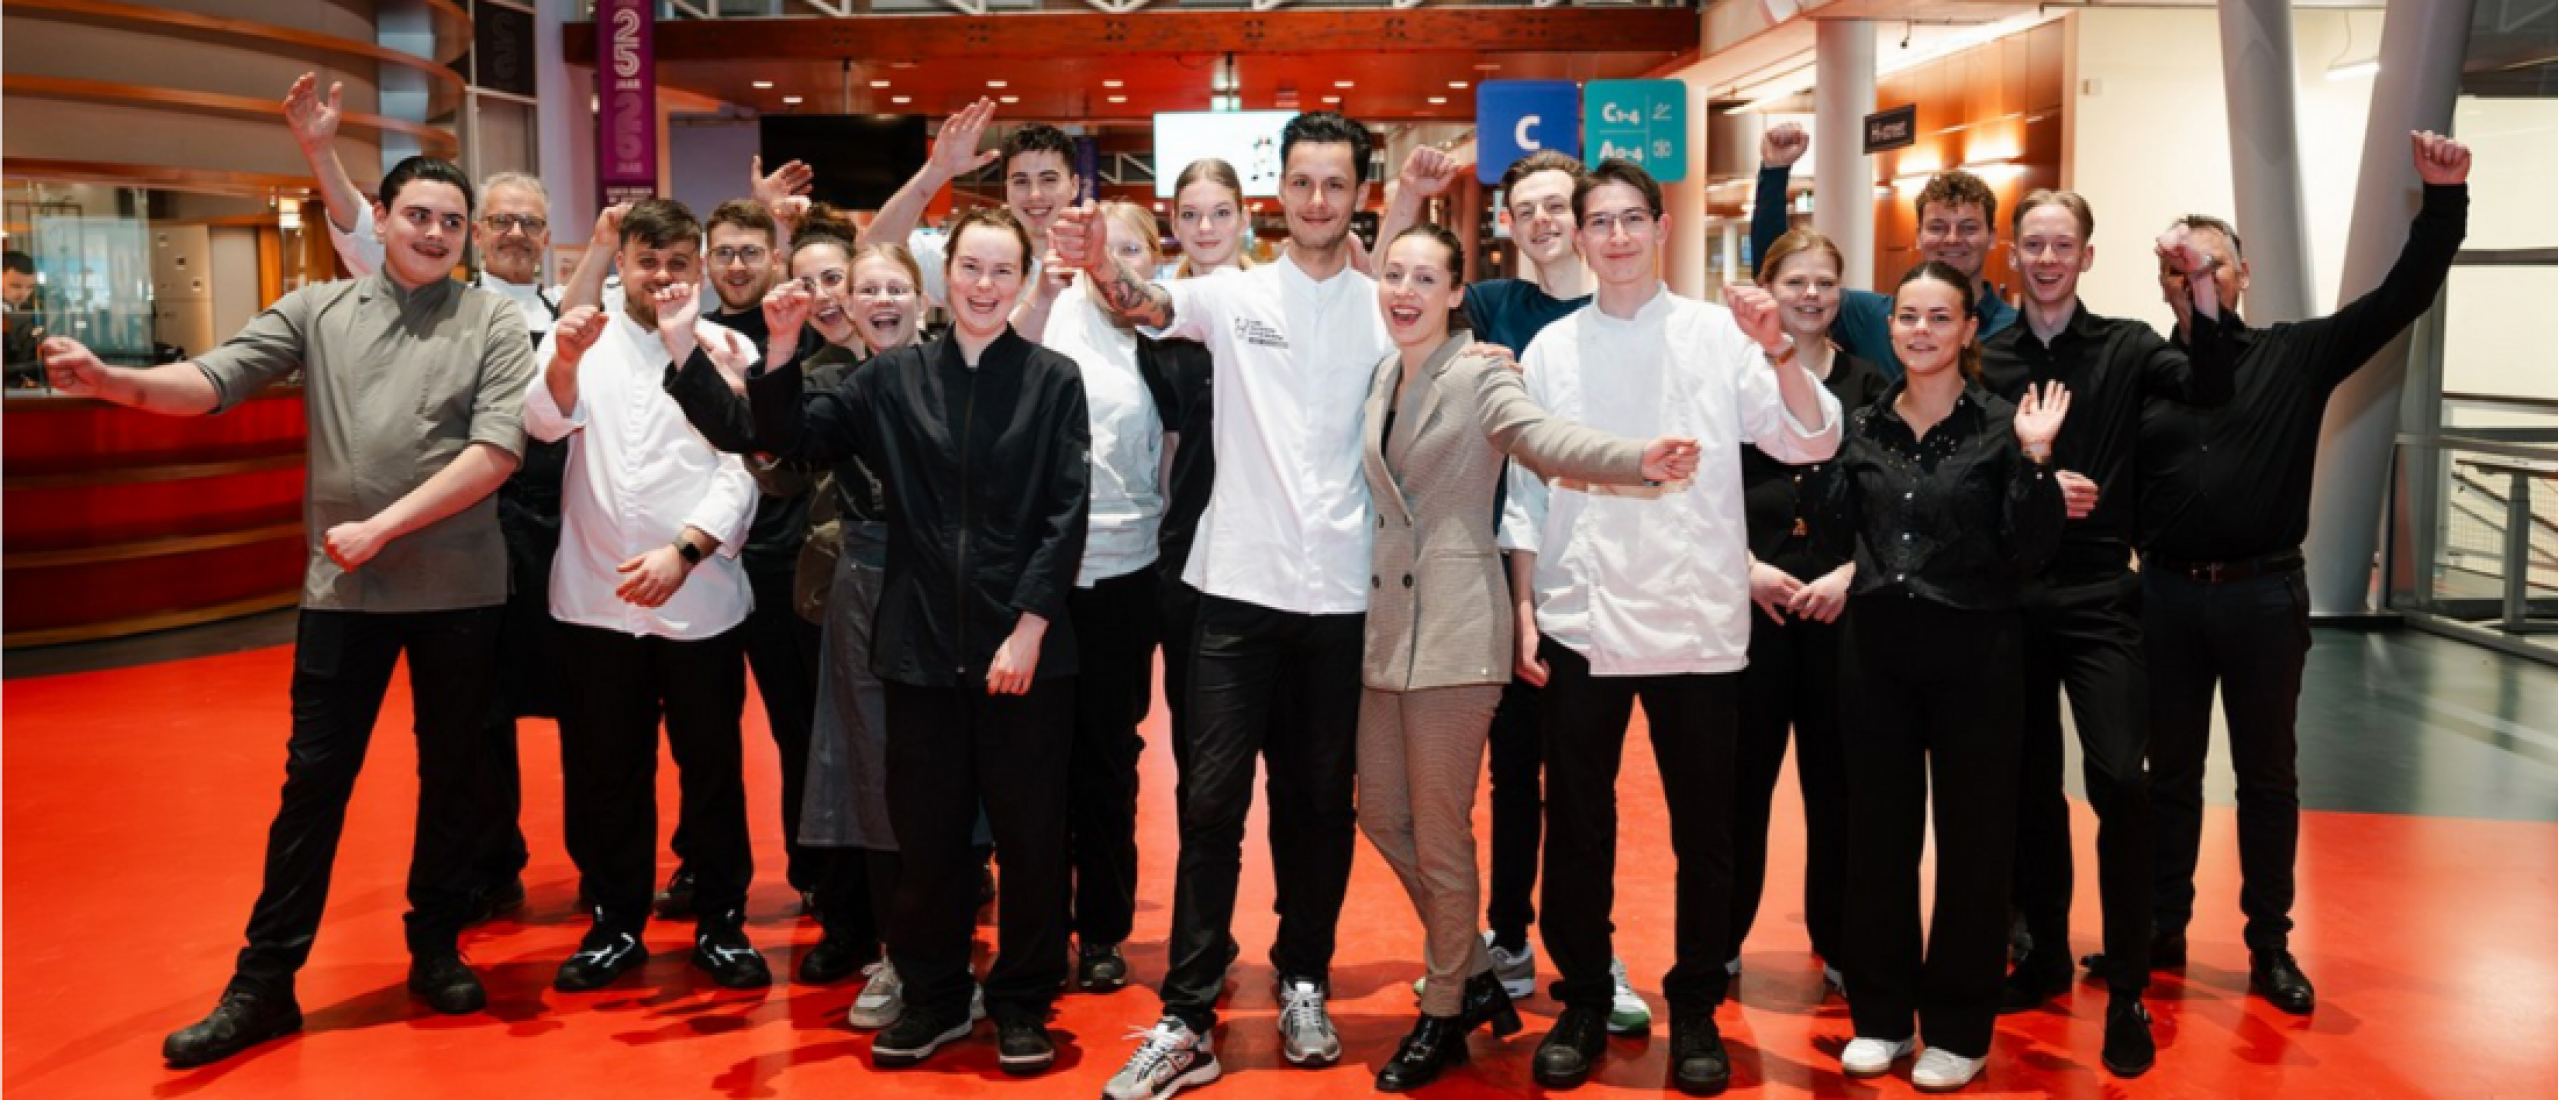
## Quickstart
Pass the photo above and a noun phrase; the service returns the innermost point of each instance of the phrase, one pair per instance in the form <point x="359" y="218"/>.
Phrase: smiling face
<point x="647" y="269"/>
<point x="1208" y="221"/>
<point x="985" y="274"/>
<point x="1417" y="288"/>
<point x="422" y="231"/>
<point x="887" y="307"/>
<point x="1541" y="217"/>
<point x="1806" y="287"/>
<point x="2050" y="253"/>
<point x="1958" y="235"/>
<point x="513" y="232"/>
<point x="1930" y="327"/>
<point x="821" y="268"/>
<point x="1620" y="235"/>
<point x="741" y="268"/>
<point x="1318" y="191"/>
<point x="1038" y="186"/>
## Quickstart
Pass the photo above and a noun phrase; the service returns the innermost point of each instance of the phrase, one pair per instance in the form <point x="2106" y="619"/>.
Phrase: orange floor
<point x="136" y="802"/>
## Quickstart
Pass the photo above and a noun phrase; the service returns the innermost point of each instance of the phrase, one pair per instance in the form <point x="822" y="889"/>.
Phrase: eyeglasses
<point x="749" y="254"/>
<point x="500" y="223"/>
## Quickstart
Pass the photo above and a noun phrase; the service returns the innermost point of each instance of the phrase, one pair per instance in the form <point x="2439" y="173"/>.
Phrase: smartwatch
<point x="691" y="554"/>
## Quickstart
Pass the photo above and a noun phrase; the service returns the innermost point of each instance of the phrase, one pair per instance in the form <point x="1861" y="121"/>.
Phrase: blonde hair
<point x="1223" y="175"/>
<point x="1140" y="221"/>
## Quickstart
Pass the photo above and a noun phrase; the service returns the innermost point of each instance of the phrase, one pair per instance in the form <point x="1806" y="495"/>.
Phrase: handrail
<point x="2506" y="257"/>
<point x="2537" y="404"/>
<point x="2455" y="442"/>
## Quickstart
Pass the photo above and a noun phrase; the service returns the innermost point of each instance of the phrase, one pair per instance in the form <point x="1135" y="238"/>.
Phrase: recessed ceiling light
<point x="1344" y="84"/>
<point x="1457" y="84"/>
<point x="1438" y="100"/>
<point x="996" y="83"/>
<point x="901" y="100"/>
<point x="1332" y="99"/>
<point x="790" y="101"/>
<point x="879" y="83"/>
<point x="1119" y="99"/>
<point x="762" y="84"/>
<point x="1011" y="99"/>
<point x="1111" y="84"/>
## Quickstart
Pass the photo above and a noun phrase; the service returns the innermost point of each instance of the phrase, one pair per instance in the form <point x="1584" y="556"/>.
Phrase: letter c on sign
<point x="1527" y="124"/>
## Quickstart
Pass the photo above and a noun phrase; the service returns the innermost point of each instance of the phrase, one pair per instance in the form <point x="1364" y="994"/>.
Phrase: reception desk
<point x="121" y="522"/>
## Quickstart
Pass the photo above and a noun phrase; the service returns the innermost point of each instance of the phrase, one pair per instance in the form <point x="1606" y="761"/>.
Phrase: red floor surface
<point x="137" y="801"/>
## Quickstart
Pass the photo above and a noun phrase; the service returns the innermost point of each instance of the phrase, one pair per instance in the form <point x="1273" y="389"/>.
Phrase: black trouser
<point x="1285" y="687"/>
<point x="949" y="749"/>
<point x="2084" y="635"/>
<point x="1115" y="662"/>
<point x="1792" y="684"/>
<point x="857" y="893"/>
<point x="621" y="686"/>
<point x="342" y="662"/>
<point x="2251" y="639"/>
<point x="1179" y="628"/>
<point x="1934" y="700"/>
<point x="1518" y="813"/>
<point x="1694" y="720"/>
<point x="782" y="649"/>
<point x="529" y="683"/>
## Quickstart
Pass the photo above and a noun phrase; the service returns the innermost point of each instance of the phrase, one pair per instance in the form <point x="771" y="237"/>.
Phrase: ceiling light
<point x="1332" y="99"/>
<point x="1457" y="84"/>
<point x="1110" y="84"/>
<point x="879" y="83"/>
<point x="1438" y="100"/>
<point x="1343" y="84"/>
<point x="790" y="101"/>
<point x="761" y="85"/>
<point x="1010" y="99"/>
<point x="901" y="100"/>
<point x="1119" y="99"/>
<point x="996" y="83"/>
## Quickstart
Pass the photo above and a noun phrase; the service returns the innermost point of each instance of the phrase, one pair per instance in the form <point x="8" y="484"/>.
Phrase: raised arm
<point x="2357" y="331"/>
<point x="1784" y="410"/>
<point x="1428" y="172"/>
<point x="955" y="154"/>
<point x="314" y="121"/>
<point x="586" y="284"/>
<point x="1078" y="240"/>
<point x="1779" y="148"/>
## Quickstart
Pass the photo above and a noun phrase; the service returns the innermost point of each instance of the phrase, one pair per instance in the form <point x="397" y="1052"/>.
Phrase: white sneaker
<point x="1518" y="973"/>
<point x="1305" y="1029"/>
<point x="1627" y="1014"/>
<point x="1873" y="1057"/>
<point x="1169" y="1056"/>
<point x="882" y="999"/>
<point x="1942" y="1070"/>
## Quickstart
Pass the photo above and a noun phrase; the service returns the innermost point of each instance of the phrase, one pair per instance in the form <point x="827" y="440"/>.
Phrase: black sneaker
<point x="1100" y="969"/>
<point x="834" y="959"/>
<point x="243" y="1020"/>
<point x="918" y="1033"/>
<point x="1571" y="1050"/>
<point x="2129" y="1049"/>
<point x="1698" y="1063"/>
<point x="2276" y="976"/>
<point x="2042" y="976"/>
<point x="446" y="984"/>
<point x="720" y="949"/>
<point x="676" y="901"/>
<point x="1022" y="1047"/>
<point x="601" y="958"/>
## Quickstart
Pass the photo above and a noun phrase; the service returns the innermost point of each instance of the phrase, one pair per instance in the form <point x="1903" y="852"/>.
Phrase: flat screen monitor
<point x="860" y="160"/>
<point x="1249" y="140"/>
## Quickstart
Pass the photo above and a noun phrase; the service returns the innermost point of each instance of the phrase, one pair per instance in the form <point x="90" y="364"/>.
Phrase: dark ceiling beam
<point x="1045" y="35"/>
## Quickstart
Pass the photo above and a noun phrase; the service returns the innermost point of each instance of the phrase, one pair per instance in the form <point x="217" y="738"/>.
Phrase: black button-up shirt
<point x="1958" y="516"/>
<point x="1781" y="502"/>
<point x="988" y="478"/>
<point x="2113" y="367"/>
<point x="2233" y="483"/>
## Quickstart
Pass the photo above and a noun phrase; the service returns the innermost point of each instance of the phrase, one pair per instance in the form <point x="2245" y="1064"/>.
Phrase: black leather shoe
<point x="1022" y="1047"/>
<point x="1487" y="1001"/>
<point x="1698" y="1064"/>
<point x="834" y="959"/>
<point x="1100" y="968"/>
<point x="2129" y="1049"/>
<point x="2276" y="976"/>
<point x="676" y="901"/>
<point x="447" y="985"/>
<point x="601" y="958"/>
<point x="1435" y="1043"/>
<point x="505" y="897"/>
<point x="243" y="1020"/>
<point x="1571" y="1050"/>
<point x="2041" y="977"/>
<point x="721" y="950"/>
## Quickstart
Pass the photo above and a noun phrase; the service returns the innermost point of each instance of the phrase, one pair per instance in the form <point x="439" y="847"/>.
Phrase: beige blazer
<point x="1439" y="610"/>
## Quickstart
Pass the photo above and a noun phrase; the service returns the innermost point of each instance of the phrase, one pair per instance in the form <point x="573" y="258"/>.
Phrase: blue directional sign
<point x="1514" y="118"/>
<point x="1644" y="121"/>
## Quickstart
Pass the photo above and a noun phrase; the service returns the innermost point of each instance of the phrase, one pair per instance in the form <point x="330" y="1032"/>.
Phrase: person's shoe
<point x="917" y="1034"/>
<point x="1518" y="972"/>
<point x="243" y="1020"/>
<point x="1627" y="1014"/>
<point x="2276" y="976"/>
<point x="601" y="958"/>
<point x="834" y="959"/>
<point x="1169" y="1058"/>
<point x="2167" y="951"/>
<point x="1571" y="1050"/>
<point x="1874" y="1057"/>
<point x="1941" y="1070"/>
<point x="2041" y="977"/>
<point x="676" y="901"/>
<point x="1698" y="1063"/>
<point x="446" y="984"/>
<point x="1022" y="1047"/>
<point x="2129" y="1049"/>
<point x="489" y="901"/>
<point x="1434" y="1044"/>
<point x="881" y="1001"/>
<point x="1305" y="1029"/>
<point x="1833" y="983"/>
<point x="721" y="950"/>
<point x="1487" y="1001"/>
<point x="1100" y="969"/>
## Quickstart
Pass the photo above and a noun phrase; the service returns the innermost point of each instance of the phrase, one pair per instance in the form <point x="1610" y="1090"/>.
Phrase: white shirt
<point x="638" y="474"/>
<point x="1127" y="438"/>
<point x="1654" y="580"/>
<point x="1287" y="523"/>
<point x="931" y="249"/>
<point x="362" y="252"/>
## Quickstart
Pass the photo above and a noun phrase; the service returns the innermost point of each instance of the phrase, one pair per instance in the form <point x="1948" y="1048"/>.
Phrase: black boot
<point x="244" y="1019"/>
<point x="1571" y="1050"/>
<point x="1436" y="1043"/>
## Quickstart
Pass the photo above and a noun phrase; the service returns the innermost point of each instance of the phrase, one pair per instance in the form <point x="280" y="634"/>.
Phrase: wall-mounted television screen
<point x="1249" y="140"/>
<point x="860" y="160"/>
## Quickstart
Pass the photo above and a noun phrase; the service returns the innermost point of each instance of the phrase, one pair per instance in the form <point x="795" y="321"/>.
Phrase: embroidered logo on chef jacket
<point x="1260" y="335"/>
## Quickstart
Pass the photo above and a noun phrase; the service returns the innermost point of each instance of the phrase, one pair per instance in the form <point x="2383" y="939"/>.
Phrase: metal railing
<point x="2474" y="528"/>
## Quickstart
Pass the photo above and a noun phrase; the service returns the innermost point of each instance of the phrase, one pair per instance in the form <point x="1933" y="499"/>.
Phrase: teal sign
<point x="1644" y="121"/>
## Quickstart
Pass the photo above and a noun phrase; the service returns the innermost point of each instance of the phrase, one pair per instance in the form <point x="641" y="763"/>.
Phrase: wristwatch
<point x="691" y="554"/>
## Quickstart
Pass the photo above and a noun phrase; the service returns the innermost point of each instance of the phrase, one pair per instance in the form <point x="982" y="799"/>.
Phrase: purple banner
<point x="626" y="99"/>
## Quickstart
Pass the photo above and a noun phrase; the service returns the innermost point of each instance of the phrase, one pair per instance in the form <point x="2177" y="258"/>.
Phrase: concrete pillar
<point x="2264" y="156"/>
<point x="1843" y="195"/>
<point x="2421" y="45"/>
<point x="1732" y="270"/>
<point x="1683" y="258"/>
<point x="565" y="122"/>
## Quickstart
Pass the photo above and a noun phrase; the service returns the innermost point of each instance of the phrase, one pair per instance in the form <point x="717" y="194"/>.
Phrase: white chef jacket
<point x="1127" y="438"/>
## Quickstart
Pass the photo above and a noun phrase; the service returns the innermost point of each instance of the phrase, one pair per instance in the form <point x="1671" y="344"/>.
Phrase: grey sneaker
<point x="1627" y="1014"/>
<point x="1518" y="973"/>
<point x="1305" y="1029"/>
<point x="882" y="999"/>
<point x="1169" y="1056"/>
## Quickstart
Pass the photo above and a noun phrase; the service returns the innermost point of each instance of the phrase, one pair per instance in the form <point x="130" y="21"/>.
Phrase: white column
<point x="1732" y="271"/>
<point x="2421" y="44"/>
<point x="1843" y="194"/>
<point x="2264" y="156"/>
<point x="566" y="124"/>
